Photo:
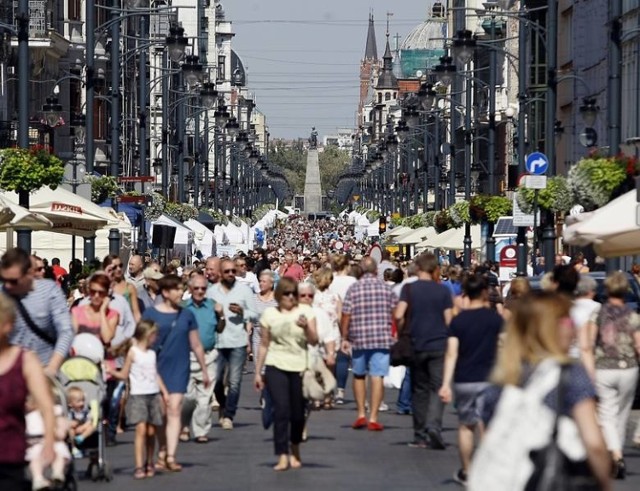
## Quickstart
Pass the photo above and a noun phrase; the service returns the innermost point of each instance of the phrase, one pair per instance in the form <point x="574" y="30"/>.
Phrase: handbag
<point x="553" y="471"/>
<point x="401" y="352"/>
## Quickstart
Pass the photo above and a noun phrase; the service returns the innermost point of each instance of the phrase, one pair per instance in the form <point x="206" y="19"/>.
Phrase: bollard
<point x="114" y="241"/>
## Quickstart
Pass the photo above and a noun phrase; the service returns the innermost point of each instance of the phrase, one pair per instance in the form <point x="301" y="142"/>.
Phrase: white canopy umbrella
<point x="453" y="239"/>
<point x="394" y="232"/>
<point x="69" y="213"/>
<point x="416" y="236"/>
<point x="22" y="218"/>
<point x="612" y="229"/>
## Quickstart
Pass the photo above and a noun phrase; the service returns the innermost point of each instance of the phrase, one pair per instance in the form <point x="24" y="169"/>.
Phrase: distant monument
<point x="312" y="186"/>
<point x="313" y="139"/>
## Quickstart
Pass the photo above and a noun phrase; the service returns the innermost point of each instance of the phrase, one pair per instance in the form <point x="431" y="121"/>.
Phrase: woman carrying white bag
<point x="528" y="445"/>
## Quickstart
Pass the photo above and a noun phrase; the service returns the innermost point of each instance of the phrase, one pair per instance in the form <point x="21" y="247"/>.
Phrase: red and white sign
<point x="63" y="207"/>
<point x="509" y="257"/>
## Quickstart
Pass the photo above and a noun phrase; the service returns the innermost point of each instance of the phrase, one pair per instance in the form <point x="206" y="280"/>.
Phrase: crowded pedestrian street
<point x="336" y="457"/>
<point x="341" y="245"/>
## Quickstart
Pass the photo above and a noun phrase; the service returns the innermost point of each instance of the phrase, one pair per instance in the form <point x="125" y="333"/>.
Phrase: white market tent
<point x="203" y="238"/>
<point x="453" y="239"/>
<point x="612" y="229"/>
<point x="373" y="230"/>
<point x="183" y="242"/>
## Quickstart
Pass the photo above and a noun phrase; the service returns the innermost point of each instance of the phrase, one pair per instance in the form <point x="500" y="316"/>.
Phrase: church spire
<point x="371" y="49"/>
<point x="387" y="79"/>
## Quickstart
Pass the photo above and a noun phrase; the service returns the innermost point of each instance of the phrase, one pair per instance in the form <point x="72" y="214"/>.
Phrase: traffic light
<point x="382" y="225"/>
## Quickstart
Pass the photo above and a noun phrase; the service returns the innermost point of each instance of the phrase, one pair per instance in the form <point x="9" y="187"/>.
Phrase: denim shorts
<point x="469" y="398"/>
<point x="144" y="408"/>
<point x="373" y="362"/>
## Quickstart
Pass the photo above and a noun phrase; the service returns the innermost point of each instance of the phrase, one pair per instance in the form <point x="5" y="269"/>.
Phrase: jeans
<point x="111" y="408"/>
<point x="342" y="369"/>
<point x="234" y="358"/>
<point x="426" y="379"/>
<point x="285" y="389"/>
<point x="403" y="404"/>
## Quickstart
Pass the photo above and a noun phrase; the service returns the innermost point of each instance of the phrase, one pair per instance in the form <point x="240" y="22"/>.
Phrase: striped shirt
<point x="48" y="309"/>
<point x="370" y="303"/>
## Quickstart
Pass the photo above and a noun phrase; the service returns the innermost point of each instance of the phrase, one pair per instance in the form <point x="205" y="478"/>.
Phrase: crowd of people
<point x="178" y="339"/>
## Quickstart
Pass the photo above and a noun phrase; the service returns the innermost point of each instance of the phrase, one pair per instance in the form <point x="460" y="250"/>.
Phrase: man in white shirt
<point x="244" y="276"/>
<point x="583" y="307"/>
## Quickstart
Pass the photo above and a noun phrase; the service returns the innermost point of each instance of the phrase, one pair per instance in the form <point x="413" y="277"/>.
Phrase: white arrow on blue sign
<point x="537" y="163"/>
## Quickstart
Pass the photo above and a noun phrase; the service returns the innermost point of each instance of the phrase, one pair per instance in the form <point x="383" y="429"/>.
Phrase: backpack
<point x="521" y="427"/>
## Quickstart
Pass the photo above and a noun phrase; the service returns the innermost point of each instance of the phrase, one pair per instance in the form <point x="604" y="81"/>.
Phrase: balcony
<point x="42" y="30"/>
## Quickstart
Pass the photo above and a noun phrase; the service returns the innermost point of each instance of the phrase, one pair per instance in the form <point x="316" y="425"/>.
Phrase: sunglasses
<point x="41" y="268"/>
<point x="306" y="295"/>
<point x="10" y="281"/>
<point x="93" y="291"/>
<point x="229" y="271"/>
<point x="117" y="266"/>
<point x="199" y="288"/>
<point x="290" y="294"/>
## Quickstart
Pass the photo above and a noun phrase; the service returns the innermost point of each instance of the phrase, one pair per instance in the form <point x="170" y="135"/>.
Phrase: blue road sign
<point x="537" y="163"/>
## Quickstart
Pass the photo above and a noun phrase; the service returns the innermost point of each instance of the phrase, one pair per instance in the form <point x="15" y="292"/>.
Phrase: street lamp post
<point x="24" y="236"/>
<point x="521" y="239"/>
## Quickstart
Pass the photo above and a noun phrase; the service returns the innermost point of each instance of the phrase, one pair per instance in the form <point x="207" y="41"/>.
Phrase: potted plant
<point x="442" y="221"/>
<point x="459" y="213"/>
<point x="155" y="206"/>
<point x="103" y="188"/>
<point x="556" y="197"/>
<point x="594" y="179"/>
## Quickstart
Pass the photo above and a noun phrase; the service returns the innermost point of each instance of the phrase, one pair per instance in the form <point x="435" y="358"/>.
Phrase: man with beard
<point x="42" y="324"/>
<point x="238" y="302"/>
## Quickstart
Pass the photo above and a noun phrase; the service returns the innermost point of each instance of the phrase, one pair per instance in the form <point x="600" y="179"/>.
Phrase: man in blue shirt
<point x="210" y="319"/>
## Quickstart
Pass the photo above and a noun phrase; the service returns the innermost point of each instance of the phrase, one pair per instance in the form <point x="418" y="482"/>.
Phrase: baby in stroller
<point x="35" y="431"/>
<point x="81" y="423"/>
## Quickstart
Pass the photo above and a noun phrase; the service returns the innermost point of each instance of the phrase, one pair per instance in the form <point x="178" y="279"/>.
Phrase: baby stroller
<point x="87" y="375"/>
<point x="60" y="398"/>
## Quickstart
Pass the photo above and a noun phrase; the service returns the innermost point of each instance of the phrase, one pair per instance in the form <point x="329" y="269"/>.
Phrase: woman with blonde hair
<point x="536" y="342"/>
<point x="610" y="345"/>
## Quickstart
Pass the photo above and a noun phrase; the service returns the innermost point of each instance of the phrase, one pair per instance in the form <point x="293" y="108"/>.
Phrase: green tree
<point x="332" y="161"/>
<point x="293" y="160"/>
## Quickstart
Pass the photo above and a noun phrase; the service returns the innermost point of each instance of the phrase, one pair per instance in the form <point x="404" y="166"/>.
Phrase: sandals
<point x="172" y="465"/>
<point x="202" y="439"/>
<point x="149" y="470"/>
<point x="184" y="436"/>
<point x="161" y="463"/>
<point x="139" y="473"/>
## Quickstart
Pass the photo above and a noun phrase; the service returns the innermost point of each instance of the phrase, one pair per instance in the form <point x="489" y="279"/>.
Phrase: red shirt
<point x="59" y="272"/>
<point x="294" y="271"/>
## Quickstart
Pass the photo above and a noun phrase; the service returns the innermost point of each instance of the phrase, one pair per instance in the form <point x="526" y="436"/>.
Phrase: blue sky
<point x="303" y="57"/>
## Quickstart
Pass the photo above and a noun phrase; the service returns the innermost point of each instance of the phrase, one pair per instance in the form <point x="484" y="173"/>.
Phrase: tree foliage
<point x="102" y="188"/>
<point x="29" y="170"/>
<point x="293" y="160"/>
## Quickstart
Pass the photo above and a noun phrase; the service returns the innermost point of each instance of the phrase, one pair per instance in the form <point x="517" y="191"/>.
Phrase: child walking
<point x="144" y="407"/>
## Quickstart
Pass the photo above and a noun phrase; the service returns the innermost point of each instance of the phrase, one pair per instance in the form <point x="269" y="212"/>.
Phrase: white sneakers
<point x="226" y="423"/>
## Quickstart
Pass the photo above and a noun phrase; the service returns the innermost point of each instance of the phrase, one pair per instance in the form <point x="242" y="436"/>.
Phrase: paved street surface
<point x="335" y="457"/>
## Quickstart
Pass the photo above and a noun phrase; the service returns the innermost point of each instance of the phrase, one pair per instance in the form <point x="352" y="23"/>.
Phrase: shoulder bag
<point x="45" y="336"/>
<point x="552" y="470"/>
<point x="401" y="352"/>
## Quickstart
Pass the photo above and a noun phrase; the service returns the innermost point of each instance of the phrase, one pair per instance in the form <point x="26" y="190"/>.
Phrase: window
<point x="75" y="10"/>
<point x="379" y="97"/>
<point x="221" y="67"/>
<point x="387" y="96"/>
